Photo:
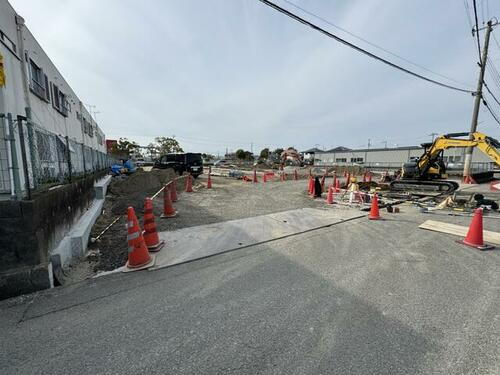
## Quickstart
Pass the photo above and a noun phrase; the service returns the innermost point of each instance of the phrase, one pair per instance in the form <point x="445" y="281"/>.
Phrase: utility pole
<point x="369" y="143"/>
<point x="479" y="96"/>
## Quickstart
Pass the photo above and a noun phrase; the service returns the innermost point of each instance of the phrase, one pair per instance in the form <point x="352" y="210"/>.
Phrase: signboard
<point x="2" y="72"/>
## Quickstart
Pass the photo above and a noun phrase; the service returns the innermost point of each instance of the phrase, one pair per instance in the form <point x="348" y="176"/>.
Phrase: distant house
<point x="309" y="155"/>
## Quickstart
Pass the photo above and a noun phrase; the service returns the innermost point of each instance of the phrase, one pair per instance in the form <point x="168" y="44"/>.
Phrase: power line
<point x="493" y="96"/>
<point x="493" y="114"/>
<point x="494" y="74"/>
<point x="359" y="49"/>
<point x="372" y="44"/>
<point x="477" y="30"/>
<point x="496" y="40"/>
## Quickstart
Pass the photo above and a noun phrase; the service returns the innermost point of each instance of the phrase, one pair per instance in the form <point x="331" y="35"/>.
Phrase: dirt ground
<point x="108" y="252"/>
<point x="228" y="200"/>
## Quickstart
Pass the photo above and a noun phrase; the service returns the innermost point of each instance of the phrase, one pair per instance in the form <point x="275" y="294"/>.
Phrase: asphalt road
<point x="361" y="297"/>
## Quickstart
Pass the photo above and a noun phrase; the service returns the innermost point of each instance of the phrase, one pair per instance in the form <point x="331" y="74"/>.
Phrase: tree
<point x="248" y="155"/>
<point x="278" y="151"/>
<point x="168" y="145"/>
<point x="124" y="146"/>
<point x="207" y="157"/>
<point x="264" y="154"/>
<point x="240" y="154"/>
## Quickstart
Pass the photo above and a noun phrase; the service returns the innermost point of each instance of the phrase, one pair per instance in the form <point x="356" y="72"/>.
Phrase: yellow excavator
<point x="425" y="172"/>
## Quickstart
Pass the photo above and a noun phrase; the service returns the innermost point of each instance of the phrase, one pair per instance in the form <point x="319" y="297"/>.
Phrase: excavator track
<point x="435" y="186"/>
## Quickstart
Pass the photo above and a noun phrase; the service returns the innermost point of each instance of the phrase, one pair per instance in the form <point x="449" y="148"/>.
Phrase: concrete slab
<point x="202" y="241"/>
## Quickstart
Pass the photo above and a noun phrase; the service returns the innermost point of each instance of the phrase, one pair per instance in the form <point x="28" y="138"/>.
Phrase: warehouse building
<point x="393" y="158"/>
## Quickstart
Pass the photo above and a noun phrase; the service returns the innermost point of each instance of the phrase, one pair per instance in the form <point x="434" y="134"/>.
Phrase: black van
<point x="188" y="162"/>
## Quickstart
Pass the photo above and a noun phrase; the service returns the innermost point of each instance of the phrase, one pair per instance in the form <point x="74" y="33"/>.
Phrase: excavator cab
<point x="435" y="168"/>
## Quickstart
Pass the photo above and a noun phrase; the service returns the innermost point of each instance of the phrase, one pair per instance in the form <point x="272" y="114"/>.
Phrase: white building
<point x="62" y="140"/>
<point x="395" y="157"/>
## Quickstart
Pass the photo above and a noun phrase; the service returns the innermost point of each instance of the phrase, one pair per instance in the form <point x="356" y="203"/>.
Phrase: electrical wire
<point x="496" y="40"/>
<point x="477" y="31"/>
<point x="359" y="49"/>
<point x="494" y="74"/>
<point x="373" y="44"/>
<point x="493" y="114"/>
<point x="493" y="96"/>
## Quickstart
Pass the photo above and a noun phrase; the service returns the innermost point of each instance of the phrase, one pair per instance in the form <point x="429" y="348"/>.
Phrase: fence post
<point x="15" y="161"/>
<point x="23" y="154"/>
<point x="68" y="155"/>
<point x="83" y="158"/>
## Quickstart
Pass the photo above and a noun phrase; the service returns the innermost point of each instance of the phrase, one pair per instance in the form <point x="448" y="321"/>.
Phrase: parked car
<point x="188" y="162"/>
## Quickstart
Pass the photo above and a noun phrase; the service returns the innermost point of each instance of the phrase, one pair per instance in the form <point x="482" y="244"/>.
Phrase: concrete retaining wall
<point x="30" y="229"/>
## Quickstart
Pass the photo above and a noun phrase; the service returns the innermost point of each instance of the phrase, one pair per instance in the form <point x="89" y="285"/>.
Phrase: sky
<point x="229" y="74"/>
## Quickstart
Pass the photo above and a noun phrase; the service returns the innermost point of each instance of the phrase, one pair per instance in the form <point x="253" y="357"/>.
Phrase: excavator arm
<point x="486" y="144"/>
<point x="422" y="175"/>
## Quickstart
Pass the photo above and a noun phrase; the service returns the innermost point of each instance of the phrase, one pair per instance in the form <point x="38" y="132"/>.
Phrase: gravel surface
<point x="228" y="199"/>
<point x="360" y="297"/>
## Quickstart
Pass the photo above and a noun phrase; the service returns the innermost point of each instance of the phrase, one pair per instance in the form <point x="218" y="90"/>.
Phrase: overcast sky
<point x="228" y="73"/>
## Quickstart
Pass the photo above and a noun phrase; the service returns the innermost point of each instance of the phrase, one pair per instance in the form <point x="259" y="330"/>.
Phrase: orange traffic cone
<point x="323" y="182"/>
<point x="474" y="237"/>
<point x="138" y="254"/>
<point x="189" y="184"/>
<point x="173" y="190"/>
<point x="255" y="180"/>
<point x="329" y="197"/>
<point x="168" y="209"/>
<point x="295" y="175"/>
<point x="337" y="186"/>
<point x="209" y="181"/>
<point x="150" y="234"/>
<point x="374" y="212"/>
<point x="310" y="187"/>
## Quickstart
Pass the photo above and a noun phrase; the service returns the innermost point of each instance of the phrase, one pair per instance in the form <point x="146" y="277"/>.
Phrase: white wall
<point x="13" y="98"/>
<point x="43" y="112"/>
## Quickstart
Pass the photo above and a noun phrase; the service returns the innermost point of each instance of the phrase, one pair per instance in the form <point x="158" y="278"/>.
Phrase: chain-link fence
<point x="54" y="159"/>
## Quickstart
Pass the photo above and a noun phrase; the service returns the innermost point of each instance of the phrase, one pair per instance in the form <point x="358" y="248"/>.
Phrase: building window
<point x="356" y="160"/>
<point x="38" y="81"/>
<point x="9" y="43"/>
<point x="341" y="160"/>
<point x="59" y="101"/>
